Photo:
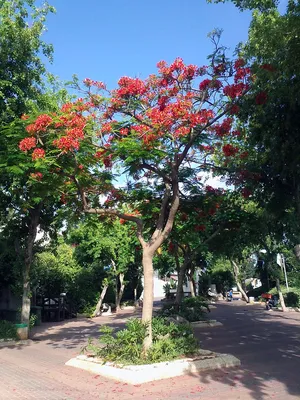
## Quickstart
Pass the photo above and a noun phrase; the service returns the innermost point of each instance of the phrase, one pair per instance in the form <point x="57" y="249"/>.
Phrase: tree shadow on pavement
<point x="74" y="334"/>
<point x="267" y="344"/>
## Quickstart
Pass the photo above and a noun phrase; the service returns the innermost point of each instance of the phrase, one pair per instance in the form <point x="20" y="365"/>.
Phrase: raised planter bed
<point x="137" y="374"/>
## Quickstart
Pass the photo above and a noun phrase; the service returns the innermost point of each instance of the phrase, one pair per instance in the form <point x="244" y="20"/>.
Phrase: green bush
<point x="291" y="295"/>
<point x="191" y="308"/>
<point x="170" y="341"/>
<point x="8" y="330"/>
<point x="292" y="299"/>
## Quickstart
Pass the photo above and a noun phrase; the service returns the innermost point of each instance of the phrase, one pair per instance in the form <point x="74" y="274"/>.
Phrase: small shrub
<point x="32" y="320"/>
<point x="170" y="341"/>
<point x="292" y="299"/>
<point x="8" y="330"/>
<point x="191" y="308"/>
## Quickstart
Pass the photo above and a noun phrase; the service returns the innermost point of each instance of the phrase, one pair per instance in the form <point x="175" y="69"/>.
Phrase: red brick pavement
<point x="267" y="343"/>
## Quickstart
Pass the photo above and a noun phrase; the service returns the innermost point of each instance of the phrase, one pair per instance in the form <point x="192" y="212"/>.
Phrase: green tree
<point x="109" y="245"/>
<point x="22" y="74"/>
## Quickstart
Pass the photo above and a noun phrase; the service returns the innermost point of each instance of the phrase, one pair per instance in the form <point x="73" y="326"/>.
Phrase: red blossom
<point x="42" y="122"/>
<point x="38" y="153"/>
<point x="223" y="128"/>
<point x="184" y="217"/>
<point x="200" y="228"/>
<point x="268" y="67"/>
<point x="239" y="63"/>
<point x="229" y="150"/>
<point x="261" y="98"/>
<point x="246" y="192"/>
<point x="234" y="109"/>
<point x="66" y="143"/>
<point x="235" y="90"/>
<point x="37" y="175"/>
<point x="244" y="155"/>
<point x="171" y="247"/>
<point x="210" y="84"/>
<point x="27" y="144"/>
<point x="212" y="211"/>
<point x="130" y="87"/>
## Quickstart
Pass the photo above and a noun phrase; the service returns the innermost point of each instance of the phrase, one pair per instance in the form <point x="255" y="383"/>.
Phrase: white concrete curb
<point x="136" y="374"/>
<point x="5" y="343"/>
<point x="205" y="324"/>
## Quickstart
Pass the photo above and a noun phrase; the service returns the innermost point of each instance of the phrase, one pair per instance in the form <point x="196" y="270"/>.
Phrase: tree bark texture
<point x="281" y="299"/>
<point x="148" y="297"/>
<point x="119" y="291"/>
<point x="100" y="301"/>
<point x="180" y="282"/>
<point x="34" y="218"/>
<point x="236" y="273"/>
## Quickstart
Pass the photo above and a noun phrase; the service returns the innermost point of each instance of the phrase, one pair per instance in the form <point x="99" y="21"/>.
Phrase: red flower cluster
<point x="261" y="98"/>
<point x="130" y="87"/>
<point x="200" y="228"/>
<point x="235" y="90"/>
<point x="210" y="84"/>
<point x="38" y="153"/>
<point x="239" y="63"/>
<point x="229" y="150"/>
<point x="89" y="82"/>
<point x="66" y="143"/>
<point x="268" y="67"/>
<point x="246" y="193"/>
<point x="27" y="144"/>
<point x="223" y="129"/>
<point x="37" y="175"/>
<point x="42" y="122"/>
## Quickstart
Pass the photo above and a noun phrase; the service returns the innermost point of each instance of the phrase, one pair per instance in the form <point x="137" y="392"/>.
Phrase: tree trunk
<point x="148" y="297"/>
<point x="192" y="286"/>
<point x="25" y="312"/>
<point x="180" y="282"/>
<point x="34" y="218"/>
<point x="297" y="251"/>
<point x="100" y="301"/>
<point x="236" y="272"/>
<point x="181" y="276"/>
<point x="281" y="299"/>
<point x="119" y="292"/>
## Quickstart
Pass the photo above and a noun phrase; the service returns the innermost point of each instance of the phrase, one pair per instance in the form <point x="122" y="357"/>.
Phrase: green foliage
<point x="32" y="320"/>
<point x="170" y="341"/>
<point x="292" y="299"/>
<point x="8" y="330"/>
<point x="21" y="28"/>
<point x="191" y="308"/>
<point x="291" y="295"/>
<point x="262" y="5"/>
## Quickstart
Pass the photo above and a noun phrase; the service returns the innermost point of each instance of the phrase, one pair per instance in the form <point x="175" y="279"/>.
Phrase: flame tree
<point x="138" y="150"/>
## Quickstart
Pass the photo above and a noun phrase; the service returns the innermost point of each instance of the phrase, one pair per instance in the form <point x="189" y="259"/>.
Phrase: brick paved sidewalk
<point x="267" y="343"/>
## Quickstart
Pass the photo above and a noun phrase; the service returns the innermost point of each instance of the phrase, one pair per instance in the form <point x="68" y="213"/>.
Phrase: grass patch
<point x="8" y="331"/>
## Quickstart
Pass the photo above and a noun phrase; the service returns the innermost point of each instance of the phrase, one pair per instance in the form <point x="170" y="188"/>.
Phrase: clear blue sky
<point x="106" y="39"/>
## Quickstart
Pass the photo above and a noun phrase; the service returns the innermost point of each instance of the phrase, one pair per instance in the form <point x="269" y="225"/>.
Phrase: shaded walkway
<point x="268" y="345"/>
